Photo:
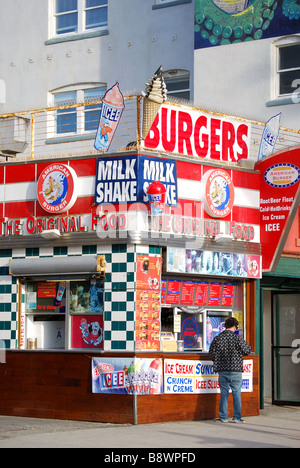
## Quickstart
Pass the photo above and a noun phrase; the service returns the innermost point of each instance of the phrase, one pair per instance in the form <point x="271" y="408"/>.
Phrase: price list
<point x="201" y="293"/>
<point x="173" y="292"/>
<point x="187" y="293"/>
<point x="215" y="294"/>
<point x="228" y="295"/>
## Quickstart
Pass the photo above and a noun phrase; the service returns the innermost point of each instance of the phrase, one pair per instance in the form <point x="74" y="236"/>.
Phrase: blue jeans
<point x="234" y="381"/>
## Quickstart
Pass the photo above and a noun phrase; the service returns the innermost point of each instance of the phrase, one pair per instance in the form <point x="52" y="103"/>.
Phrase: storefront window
<point x="45" y="311"/>
<point x="64" y="314"/>
<point x="86" y="308"/>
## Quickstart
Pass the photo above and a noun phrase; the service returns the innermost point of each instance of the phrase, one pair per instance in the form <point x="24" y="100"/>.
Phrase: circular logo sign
<point x="189" y="332"/>
<point x="57" y="188"/>
<point x="282" y="175"/>
<point x="218" y="193"/>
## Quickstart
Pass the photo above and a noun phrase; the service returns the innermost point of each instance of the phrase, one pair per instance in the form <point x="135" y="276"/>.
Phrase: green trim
<point x="287" y="267"/>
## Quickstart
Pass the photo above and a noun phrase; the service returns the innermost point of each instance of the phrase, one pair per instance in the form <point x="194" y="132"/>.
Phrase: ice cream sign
<point x="279" y="202"/>
<point x="127" y="179"/>
<point x="112" y="109"/>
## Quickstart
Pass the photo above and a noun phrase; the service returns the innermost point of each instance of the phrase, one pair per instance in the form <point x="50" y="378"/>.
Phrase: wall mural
<point x="221" y="22"/>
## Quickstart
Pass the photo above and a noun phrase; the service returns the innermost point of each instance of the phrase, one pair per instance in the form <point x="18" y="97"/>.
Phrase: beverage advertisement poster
<point x="87" y="331"/>
<point x="148" y="303"/>
<point x="127" y="376"/>
<point x="199" y="377"/>
<point x="209" y="263"/>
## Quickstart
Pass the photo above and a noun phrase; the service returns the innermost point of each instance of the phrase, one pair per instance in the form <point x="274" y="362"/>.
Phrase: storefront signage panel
<point x="148" y="303"/>
<point x="126" y="179"/>
<point x="279" y="201"/>
<point x="199" y="377"/>
<point x="127" y="376"/>
<point x="191" y="132"/>
<point x="202" y="262"/>
<point x="176" y="292"/>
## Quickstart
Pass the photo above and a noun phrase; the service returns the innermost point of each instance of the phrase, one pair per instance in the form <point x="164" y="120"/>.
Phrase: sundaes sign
<point x="193" y="133"/>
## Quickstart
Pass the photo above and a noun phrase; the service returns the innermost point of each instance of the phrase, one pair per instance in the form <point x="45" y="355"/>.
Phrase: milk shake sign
<point x="126" y="179"/>
<point x="193" y="133"/>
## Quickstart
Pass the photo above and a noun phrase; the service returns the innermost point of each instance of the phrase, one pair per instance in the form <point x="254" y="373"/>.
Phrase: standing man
<point x="226" y="352"/>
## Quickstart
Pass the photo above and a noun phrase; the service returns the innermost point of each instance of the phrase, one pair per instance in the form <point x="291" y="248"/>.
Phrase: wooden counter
<point x="58" y="385"/>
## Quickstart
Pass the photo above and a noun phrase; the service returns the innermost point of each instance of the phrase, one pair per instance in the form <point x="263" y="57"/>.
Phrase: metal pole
<point x="135" y="416"/>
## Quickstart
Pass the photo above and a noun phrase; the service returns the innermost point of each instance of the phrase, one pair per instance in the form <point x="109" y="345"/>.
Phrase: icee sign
<point x="126" y="179"/>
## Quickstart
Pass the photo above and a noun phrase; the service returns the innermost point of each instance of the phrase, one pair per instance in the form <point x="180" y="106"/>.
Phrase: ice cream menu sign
<point x="279" y="200"/>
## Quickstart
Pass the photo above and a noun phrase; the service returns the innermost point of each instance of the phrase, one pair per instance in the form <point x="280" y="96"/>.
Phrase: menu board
<point x="173" y="292"/>
<point x="201" y="293"/>
<point x="187" y="293"/>
<point x="176" y="292"/>
<point x="215" y="294"/>
<point x="228" y="295"/>
<point x="148" y="303"/>
<point x="163" y="290"/>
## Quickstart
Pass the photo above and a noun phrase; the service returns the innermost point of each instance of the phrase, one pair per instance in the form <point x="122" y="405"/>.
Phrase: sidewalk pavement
<point x="275" y="427"/>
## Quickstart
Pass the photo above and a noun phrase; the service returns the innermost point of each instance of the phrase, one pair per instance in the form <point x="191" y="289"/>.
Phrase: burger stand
<point x="120" y="269"/>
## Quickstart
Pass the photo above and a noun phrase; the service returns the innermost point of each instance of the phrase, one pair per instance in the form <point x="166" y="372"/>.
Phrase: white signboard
<point x="199" y="377"/>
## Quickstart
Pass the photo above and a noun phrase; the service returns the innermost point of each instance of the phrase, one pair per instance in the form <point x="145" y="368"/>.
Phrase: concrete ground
<point x="275" y="427"/>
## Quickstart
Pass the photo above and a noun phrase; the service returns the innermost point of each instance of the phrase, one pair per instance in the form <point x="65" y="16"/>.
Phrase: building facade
<point x="101" y="273"/>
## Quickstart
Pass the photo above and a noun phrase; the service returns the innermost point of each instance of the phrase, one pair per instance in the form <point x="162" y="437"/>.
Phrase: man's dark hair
<point x="231" y="322"/>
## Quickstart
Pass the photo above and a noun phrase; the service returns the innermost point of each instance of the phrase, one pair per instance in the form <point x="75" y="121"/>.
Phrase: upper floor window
<point x="77" y="16"/>
<point x="178" y="83"/>
<point x="288" y="69"/>
<point x="77" y="120"/>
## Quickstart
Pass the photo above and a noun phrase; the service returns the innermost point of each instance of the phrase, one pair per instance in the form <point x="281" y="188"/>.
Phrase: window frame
<point x="81" y="20"/>
<point x="80" y="111"/>
<point x="180" y="75"/>
<point x="278" y="72"/>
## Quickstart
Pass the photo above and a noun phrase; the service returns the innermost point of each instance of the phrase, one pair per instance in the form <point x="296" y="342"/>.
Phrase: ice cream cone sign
<point x="155" y="95"/>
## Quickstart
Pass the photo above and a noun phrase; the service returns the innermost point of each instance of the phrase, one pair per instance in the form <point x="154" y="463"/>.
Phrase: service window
<point x="64" y="314"/>
<point x="45" y="305"/>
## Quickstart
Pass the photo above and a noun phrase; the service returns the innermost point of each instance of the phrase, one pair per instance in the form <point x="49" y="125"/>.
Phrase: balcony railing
<point x="70" y="130"/>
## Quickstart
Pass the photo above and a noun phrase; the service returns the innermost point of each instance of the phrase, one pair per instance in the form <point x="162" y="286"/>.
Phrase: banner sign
<point x="127" y="376"/>
<point x="182" y="130"/>
<point x="126" y="179"/>
<point x="279" y="202"/>
<point x="180" y="260"/>
<point x="269" y="137"/>
<point x="199" y="377"/>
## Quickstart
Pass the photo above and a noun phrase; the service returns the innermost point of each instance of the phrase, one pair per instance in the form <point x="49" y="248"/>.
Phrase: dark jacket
<point x="227" y="351"/>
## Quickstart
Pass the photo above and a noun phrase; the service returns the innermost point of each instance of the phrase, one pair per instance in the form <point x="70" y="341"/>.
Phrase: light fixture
<point x="51" y="234"/>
